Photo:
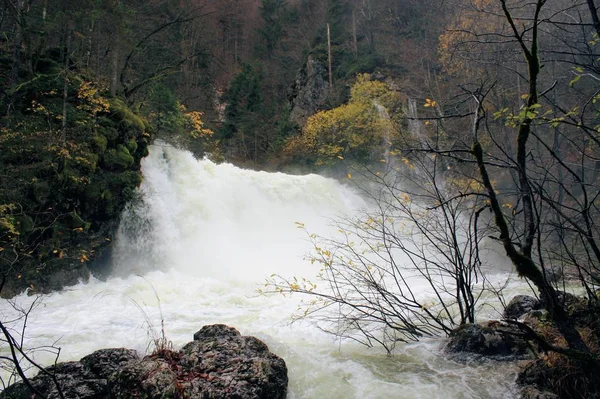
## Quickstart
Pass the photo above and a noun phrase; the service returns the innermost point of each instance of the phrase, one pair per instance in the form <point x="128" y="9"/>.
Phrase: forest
<point x="467" y="120"/>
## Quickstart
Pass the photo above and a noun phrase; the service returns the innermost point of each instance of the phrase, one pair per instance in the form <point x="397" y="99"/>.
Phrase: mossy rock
<point x="118" y="158"/>
<point x="110" y="133"/>
<point x="126" y="117"/>
<point x="99" y="143"/>
<point x="131" y="179"/>
<point x="85" y="163"/>
<point x="132" y="146"/>
<point x="87" y="190"/>
<point x="105" y="121"/>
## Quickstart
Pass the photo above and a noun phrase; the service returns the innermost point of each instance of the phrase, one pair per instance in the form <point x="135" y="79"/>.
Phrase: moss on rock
<point x="61" y="197"/>
<point x="118" y="158"/>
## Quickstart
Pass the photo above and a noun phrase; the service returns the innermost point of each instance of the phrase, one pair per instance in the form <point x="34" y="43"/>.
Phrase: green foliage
<point x="118" y="159"/>
<point x="164" y="111"/>
<point x="245" y="115"/>
<point x="275" y="16"/>
<point x="337" y="18"/>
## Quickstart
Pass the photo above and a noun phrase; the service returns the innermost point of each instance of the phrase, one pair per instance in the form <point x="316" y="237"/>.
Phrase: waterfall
<point x="193" y="250"/>
<point x="387" y="138"/>
<point x="414" y="125"/>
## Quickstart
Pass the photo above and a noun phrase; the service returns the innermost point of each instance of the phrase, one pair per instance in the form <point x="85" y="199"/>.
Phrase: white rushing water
<point x="201" y="240"/>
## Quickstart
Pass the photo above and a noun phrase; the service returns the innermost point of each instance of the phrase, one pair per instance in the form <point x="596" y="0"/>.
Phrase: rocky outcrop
<point x="492" y="339"/>
<point x="309" y="91"/>
<point x="520" y="305"/>
<point x="219" y="363"/>
<point x="87" y="378"/>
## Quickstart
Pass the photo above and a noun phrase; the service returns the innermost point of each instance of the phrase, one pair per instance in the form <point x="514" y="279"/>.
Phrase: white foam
<point x="202" y="238"/>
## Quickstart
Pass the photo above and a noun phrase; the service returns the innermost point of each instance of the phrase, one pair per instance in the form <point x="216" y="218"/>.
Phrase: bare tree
<point x="20" y="359"/>
<point x="406" y="267"/>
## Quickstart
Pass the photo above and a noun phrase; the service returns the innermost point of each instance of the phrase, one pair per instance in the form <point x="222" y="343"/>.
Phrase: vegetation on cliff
<point x="70" y="162"/>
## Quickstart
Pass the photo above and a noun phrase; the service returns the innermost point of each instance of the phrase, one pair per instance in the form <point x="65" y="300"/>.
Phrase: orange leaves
<point x="59" y="253"/>
<point x="430" y="103"/>
<point x="92" y="102"/>
<point x="194" y="118"/>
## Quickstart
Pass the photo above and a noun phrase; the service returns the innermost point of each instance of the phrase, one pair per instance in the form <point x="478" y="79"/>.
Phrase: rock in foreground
<point x="521" y="305"/>
<point x="491" y="339"/>
<point x="219" y="363"/>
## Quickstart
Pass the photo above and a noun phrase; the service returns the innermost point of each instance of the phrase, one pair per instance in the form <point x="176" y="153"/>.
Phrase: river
<point x="193" y="250"/>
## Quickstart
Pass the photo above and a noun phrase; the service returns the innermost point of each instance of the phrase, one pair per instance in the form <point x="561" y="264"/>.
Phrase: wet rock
<point x="84" y="379"/>
<point x="105" y="362"/>
<point x="219" y="363"/>
<point x="492" y="339"/>
<point x="309" y="91"/>
<point x="533" y="318"/>
<point x="520" y="305"/>
<point x="150" y="378"/>
<point x="70" y="275"/>
<point x="231" y="365"/>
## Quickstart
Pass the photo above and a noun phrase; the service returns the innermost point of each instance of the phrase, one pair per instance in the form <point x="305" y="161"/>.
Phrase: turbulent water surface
<point x="194" y="249"/>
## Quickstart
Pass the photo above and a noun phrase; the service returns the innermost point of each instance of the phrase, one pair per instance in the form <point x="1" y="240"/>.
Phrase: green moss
<point x="109" y="132"/>
<point x="132" y="146"/>
<point x="126" y="117"/>
<point x="118" y="158"/>
<point x="100" y="142"/>
<point x="129" y="179"/>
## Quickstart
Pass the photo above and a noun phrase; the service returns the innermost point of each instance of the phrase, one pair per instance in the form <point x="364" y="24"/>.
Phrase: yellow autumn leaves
<point x="354" y="130"/>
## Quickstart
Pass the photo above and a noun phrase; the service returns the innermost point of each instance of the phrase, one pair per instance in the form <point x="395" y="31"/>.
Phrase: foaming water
<point x="192" y="252"/>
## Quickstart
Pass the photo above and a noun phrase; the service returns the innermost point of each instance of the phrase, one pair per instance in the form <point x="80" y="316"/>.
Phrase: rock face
<point x="309" y="91"/>
<point x="219" y="363"/>
<point x="492" y="339"/>
<point x="520" y="305"/>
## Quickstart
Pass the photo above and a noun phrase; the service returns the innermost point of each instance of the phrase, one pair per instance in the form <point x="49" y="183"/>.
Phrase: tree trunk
<point x="63" y="135"/>
<point x="354" y="38"/>
<point x="329" y="56"/>
<point x="17" y="54"/>
<point x="114" y="72"/>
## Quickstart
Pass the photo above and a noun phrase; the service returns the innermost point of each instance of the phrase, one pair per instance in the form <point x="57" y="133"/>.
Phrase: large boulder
<point x="520" y="305"/>
<point x="492" y="339"/>
<point x="219" y="363"/>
